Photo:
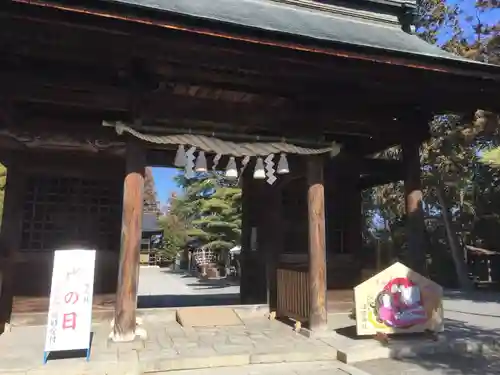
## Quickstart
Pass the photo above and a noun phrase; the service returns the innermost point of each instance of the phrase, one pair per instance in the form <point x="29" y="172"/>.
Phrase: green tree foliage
<point x="174" y="235"/>
<point x="219" y="223"/>
<point x="491" y="157"/>
<point x="460" y="193"/>
<point x="209" y="209"/>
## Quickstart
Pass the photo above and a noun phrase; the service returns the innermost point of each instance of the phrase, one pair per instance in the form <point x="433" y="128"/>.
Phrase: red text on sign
<point x="71" y="297"/>
<point x="69" y="321"/>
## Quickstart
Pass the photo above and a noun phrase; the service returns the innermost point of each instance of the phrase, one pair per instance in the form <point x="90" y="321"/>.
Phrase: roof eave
<point x="275" y="39"/>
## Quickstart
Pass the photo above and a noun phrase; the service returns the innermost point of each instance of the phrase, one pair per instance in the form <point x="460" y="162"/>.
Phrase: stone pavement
<point x="297" y="368"/>
<point x="253" y="347"/>
<point x="168" y="347"/>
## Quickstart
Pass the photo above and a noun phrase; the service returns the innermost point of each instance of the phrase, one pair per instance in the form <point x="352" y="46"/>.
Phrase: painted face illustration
<point x="399" y="304"/>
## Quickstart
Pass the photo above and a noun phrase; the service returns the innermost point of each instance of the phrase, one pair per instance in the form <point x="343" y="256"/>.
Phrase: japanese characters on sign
<point x="70" y="310"/>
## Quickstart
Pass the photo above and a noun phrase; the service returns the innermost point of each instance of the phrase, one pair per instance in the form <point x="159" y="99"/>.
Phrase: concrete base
<point x="230" y="360"/>
<point x="137" y="343"/>
<point x="352" y="350"/>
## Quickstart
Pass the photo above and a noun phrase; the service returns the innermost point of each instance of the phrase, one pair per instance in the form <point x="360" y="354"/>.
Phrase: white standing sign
<point x="70" y="312"/>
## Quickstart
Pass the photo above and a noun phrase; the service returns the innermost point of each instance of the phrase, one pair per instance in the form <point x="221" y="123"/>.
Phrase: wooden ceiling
<point x="82" y="69"/>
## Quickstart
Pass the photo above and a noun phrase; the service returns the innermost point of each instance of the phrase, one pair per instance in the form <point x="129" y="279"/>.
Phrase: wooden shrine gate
<point x="353" y="76"/>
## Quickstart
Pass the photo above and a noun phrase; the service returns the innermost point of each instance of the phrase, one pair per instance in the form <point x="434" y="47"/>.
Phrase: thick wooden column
<point x="126" y="294"/>
<point x="317" y="248"/>
<point x="355" y="221"/>
<point x="11" y="233"/>
<point x="253" y="286"/>
<point x="343" y="222"/>
<point x="246" y="229"/>
<point x="414" y="212"/>
<point x="271" y="239"/>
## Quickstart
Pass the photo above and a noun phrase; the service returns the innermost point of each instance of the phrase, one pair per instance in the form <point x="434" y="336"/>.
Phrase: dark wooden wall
<point x="280" y="215"/>
<point x="343" y="222"/>
<point x="55" y="201"/>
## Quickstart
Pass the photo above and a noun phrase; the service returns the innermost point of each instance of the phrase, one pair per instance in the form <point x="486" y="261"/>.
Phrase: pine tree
<point x="220" y="219"/>
<point x="210" y="205"/>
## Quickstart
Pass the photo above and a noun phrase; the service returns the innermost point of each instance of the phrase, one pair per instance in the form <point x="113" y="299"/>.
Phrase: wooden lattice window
<point x="63" y="211"/>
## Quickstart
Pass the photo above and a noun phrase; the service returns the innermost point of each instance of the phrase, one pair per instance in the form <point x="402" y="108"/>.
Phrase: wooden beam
<point x="169" y="42"/>
<point x="370" y="165"/>
<point x="414" y="212"/>
<point x="30" y="82"/>
<point x="206" y="29"/>
<point x="126" y="294"/>
<point x="292" y="116"/>
<point x="263" y="76"/>
<point x="375" y="172"/>
<point x="373" y="180"/>
<point x="317" y="247"/>
<point x="415" y="129"/>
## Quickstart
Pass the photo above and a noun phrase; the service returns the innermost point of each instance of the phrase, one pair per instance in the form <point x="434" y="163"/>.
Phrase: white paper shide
<point x="70" y="311"/>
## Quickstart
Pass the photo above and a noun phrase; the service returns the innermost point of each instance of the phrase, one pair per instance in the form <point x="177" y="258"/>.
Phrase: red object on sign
<point x="69" y="321"/>
<point x="71" y="297"/>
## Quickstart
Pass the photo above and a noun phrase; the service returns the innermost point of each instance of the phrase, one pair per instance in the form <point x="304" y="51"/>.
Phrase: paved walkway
<point x="303" y="368"/>
<point x="168" y="347"/>
<point x="254" y="347"/>
<point x="160" y="287"/>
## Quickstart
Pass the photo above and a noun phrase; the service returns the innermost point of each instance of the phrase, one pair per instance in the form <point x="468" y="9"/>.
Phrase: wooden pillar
<point x="253" y="280"/>
<point x="414" y="213"/>
<point x="271" y="238"/>
<point x="11" y="233"/>
<point x="317" y="248"/>
<point x="353" y="238"/>
<point x="128" y="276"/>
<point x="246" y="228"/>
<point x="343" y="222"/>
<point x="333" y="207"/>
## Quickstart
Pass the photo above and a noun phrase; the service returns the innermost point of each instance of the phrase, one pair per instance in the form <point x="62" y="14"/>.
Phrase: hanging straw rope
<point x="218" y="146"/>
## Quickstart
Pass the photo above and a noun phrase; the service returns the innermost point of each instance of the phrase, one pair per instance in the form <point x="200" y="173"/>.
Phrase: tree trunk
<point x="456" y="253"/>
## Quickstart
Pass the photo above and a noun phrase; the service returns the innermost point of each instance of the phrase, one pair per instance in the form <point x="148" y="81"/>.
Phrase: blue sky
<point x="164" y="181"/>
<point x="491" y="17"/>
<point x="468" y="9"/>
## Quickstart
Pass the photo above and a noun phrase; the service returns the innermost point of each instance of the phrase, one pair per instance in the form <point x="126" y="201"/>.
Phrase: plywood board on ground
<point x="207" y="317"/>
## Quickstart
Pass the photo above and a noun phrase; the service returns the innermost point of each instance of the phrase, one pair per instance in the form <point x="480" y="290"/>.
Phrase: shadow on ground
<point x="187" y="300"/>
<point x="434" y="364"/>
<point x="212" y="284"/>
<point x="446" y="363"/>
<point x="473" y="296"/>
<point x="454" y="330"/>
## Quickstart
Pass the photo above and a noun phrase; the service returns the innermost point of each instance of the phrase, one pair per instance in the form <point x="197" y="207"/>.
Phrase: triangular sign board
<point x="398" y="300"/>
